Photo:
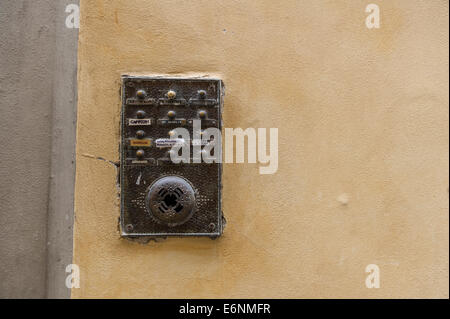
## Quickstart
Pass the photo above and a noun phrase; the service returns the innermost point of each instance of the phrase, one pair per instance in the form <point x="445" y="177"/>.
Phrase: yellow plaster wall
<point x="363" y="147"/>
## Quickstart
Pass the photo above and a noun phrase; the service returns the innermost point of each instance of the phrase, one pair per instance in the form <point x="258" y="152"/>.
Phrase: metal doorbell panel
<point x="158" y="197"/>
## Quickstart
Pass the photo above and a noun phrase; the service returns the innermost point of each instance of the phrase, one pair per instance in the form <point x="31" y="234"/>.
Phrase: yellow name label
<point x="141" y="143"/>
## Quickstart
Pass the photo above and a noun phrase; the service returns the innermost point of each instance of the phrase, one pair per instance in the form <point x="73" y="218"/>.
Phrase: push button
<point x="141" y="94"/>
<point x="171" y="114"/>
<point x="140" y="153"/>
<point x="171" y="95"/>
<point x="140" y="134"/>
<point x="201" y="94"/>
<point x="140" y="114"/>
<point x="202" y="114"/>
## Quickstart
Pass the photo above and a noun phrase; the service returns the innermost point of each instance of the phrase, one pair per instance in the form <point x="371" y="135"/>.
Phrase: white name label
<point x="168" y="142"/>
<point x="134" y="122"/>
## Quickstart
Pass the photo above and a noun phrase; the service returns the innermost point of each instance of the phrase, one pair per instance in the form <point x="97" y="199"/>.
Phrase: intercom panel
<point x="159" y="196"/>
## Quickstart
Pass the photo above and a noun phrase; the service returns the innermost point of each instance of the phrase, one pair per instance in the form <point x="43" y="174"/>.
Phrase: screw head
<point x="140" y="134"/>
<point x="141" y="94"/>
<point x="140" y="153"/>
<point x="129" y="227"/>
<point x="202" y="94"/>
<point x="171" y="114"/>
<point x="212" y="226"/>
<point x="202" y="114"/>
<point x="171" y="94"/>
<point x="140" y="114"/>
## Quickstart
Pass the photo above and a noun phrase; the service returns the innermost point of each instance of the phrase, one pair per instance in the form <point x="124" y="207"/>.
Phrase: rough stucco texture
<point x="363" y="147"/>
<point x="27" y="54"/>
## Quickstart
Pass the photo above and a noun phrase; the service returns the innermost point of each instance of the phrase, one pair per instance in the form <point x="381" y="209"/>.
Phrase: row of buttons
<point x="171" y="94"/>
<point x="141" y="134"/>
<point x="171" y="114"/>
<point x="170" y="99"/>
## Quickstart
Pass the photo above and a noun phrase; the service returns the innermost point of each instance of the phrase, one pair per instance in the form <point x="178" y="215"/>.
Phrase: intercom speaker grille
<point x="171" y="200"/>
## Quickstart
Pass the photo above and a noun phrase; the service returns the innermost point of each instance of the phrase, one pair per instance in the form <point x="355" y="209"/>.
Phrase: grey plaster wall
<point x="37" y="143"/>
